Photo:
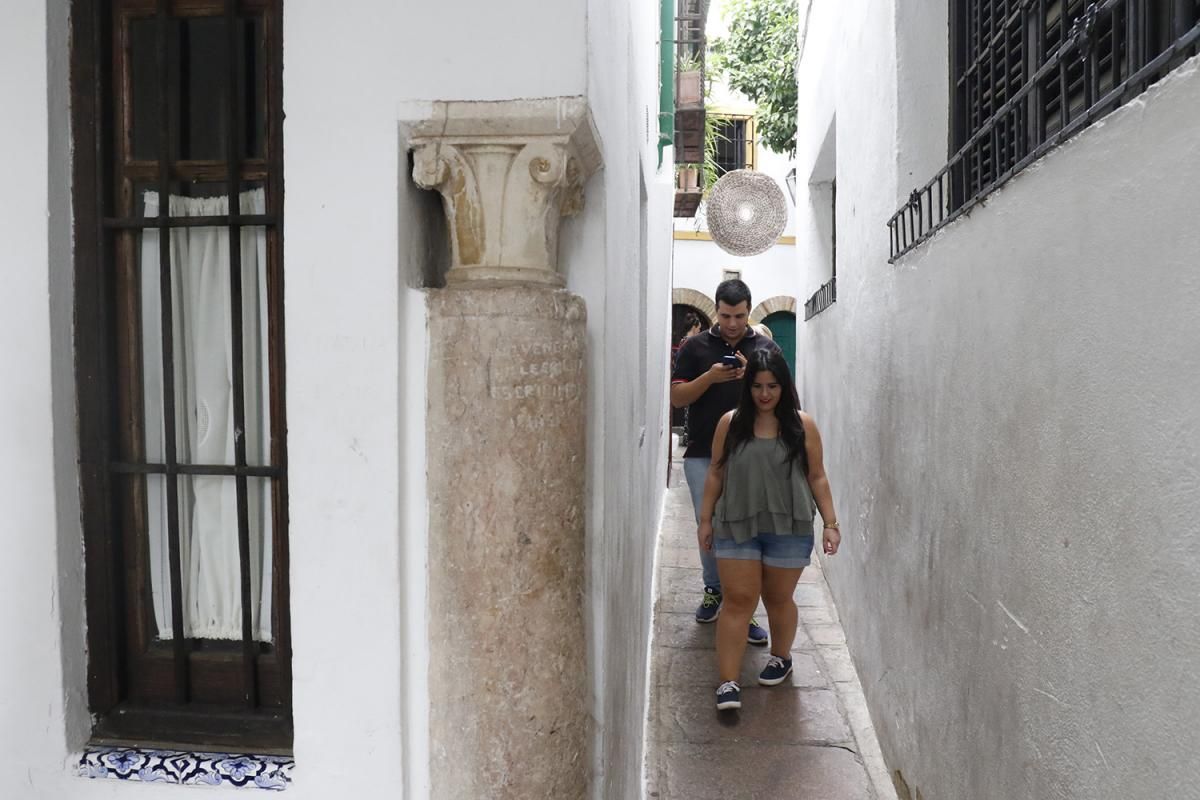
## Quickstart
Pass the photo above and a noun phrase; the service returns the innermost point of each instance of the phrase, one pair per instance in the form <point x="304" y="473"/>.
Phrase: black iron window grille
<point x="822" y="299"/>
<point x="733" y="143"/>
<point x="1028" y="74"/>
<point x="177" y="118"/>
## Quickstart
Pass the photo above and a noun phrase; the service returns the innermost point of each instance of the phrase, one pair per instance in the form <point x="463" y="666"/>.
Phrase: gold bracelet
<point x="833" y="525"/>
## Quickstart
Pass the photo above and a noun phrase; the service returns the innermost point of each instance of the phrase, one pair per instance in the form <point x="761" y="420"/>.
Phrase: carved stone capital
<point x="508" y="172"/>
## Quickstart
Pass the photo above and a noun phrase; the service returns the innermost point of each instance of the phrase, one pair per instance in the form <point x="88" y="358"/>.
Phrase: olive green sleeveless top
<point x="762" y="495"/>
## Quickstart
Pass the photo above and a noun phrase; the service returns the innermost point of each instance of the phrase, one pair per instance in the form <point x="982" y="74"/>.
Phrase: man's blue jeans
<point x="695" y="470"/>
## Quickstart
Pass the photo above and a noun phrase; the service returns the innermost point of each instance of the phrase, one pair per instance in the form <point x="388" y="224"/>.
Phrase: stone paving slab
<point x="692" y="668"/>
<point x="760" y="772"/>
<point x="809" y="738"/>
<point x="681" y="557"/>
<point x="769" y="715"/>
<point x="682" y="630"/>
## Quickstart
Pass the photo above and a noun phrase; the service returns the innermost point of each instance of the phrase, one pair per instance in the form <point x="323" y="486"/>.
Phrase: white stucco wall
<point x="816" y="155"/>
<point x="701" y="265"/>
<point x="621" y="267"/>
<point x="356" y="237"/>
<point x="1011" y="432"/>
<point x="34" y="706"/>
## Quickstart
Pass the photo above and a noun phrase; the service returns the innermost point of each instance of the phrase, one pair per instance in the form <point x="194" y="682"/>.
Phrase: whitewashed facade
<point x="1010" y="427"/>
<point x="354" y="78"/>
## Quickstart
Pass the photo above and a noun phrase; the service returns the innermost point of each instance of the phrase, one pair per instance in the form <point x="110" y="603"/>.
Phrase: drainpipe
<point x="666" y="77"/>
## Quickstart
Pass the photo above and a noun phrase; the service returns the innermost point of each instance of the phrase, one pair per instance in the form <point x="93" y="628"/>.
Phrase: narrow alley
<point x="348" y="344"/>
<point x="809" y="738"/>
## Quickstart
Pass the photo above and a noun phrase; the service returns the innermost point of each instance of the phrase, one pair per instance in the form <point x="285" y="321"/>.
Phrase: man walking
<point x="709" y="388"/>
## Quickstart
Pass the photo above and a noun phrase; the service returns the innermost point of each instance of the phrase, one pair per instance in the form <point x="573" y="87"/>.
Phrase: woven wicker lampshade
<point x="746" y="212"/>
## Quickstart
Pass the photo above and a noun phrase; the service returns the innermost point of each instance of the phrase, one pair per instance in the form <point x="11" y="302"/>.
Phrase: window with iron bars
<point x="178" y="197"/>
<point x="733" y="142"/>
<point x="1028" y="74"/>
<point x="826" y="295"/>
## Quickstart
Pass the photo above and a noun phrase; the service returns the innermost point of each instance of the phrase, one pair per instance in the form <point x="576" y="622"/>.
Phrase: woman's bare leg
<point x="778" y="590"/>
<point x="740" y="584"/>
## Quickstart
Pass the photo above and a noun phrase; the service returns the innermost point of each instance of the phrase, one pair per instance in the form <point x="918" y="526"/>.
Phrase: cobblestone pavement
<point x="811" y="738"/>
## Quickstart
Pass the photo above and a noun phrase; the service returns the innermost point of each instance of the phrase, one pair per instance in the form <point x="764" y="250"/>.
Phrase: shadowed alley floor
<point x="810" y="737"/>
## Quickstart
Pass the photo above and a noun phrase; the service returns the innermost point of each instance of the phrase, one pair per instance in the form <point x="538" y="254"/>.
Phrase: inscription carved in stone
<point x="506" y="438"/>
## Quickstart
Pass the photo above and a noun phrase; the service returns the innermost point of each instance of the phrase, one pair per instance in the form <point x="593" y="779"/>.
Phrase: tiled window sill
<point x="186" y="768"/>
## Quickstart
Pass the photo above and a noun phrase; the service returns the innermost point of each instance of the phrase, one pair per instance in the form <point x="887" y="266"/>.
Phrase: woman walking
<point x="766" y="480"/>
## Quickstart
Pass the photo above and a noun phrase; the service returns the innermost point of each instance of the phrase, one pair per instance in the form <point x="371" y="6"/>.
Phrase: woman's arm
<point x="714" y="484"/>
<point x="818" y="481"/>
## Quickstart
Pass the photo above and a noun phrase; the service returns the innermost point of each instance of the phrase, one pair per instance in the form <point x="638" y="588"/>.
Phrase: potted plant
<point x="689" y="89"/>
<point x="688" y="178"/>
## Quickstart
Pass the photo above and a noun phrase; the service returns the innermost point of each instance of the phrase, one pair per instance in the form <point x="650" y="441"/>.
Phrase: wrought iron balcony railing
<point x="1029" y="74"/>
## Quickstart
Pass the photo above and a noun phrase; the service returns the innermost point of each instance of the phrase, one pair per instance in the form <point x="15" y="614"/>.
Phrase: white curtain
<point x="203" y="367"/>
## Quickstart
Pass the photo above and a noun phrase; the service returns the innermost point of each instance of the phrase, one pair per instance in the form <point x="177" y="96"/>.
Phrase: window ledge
<point x="187" y="768"/>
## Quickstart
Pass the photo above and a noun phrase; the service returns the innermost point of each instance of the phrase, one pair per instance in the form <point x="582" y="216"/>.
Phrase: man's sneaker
<point x="776" y="671"/>
<point x="729" y="696"/>
<point x="710" y="606"/>
<point x="757" y="635"/>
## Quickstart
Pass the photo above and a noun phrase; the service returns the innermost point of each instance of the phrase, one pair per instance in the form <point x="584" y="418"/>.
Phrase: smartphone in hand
<point x="731" y="361"/>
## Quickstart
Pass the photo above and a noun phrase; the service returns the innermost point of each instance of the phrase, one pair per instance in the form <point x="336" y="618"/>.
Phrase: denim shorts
<point x="785" y="551"/>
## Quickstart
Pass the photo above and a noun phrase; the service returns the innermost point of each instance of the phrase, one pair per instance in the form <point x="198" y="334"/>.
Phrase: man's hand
<point x="721" y="373"/>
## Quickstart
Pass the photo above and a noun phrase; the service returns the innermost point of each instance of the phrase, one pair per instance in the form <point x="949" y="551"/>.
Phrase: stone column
<point x="509" y="689"/>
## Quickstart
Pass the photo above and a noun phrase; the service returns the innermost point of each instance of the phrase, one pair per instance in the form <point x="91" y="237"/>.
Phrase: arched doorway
<point x="783" y="329"/>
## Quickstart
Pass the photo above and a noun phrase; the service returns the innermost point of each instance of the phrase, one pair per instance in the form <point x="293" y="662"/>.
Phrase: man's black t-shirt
<point x="696" y="357"/>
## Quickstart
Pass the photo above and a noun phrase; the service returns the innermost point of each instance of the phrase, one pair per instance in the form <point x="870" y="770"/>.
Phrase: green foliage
<point x="688" y="62"/>
<point x="708" y="170"/>
<point x="758" y="59"/>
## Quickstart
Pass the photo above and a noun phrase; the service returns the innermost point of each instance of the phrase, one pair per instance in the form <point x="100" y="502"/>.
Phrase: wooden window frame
<point x="187" y="693"/>
<point x="750" y="152"/>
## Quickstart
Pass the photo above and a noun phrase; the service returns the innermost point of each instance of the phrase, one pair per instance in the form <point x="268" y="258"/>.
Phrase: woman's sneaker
<point x="757" y="635"/>
<point x="729" y="696"/>
<point x="776" y="671"/>
<point x="710" y="606"/>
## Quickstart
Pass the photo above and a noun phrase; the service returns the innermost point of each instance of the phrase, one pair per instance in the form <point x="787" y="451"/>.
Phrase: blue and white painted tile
<point x="185" y="768"/>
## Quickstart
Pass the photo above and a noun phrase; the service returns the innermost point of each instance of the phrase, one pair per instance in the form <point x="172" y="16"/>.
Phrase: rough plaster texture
<point x="617" y="256"/>
<point x="509" y="705"/>
<point x="32" y="731"/>
<point x="473" y="50"/>
<point x="1011" y="432"/>
<point x="922" y="110"/>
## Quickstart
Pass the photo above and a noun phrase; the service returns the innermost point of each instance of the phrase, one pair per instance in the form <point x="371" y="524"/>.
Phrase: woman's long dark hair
<point x="787" y="411"/>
